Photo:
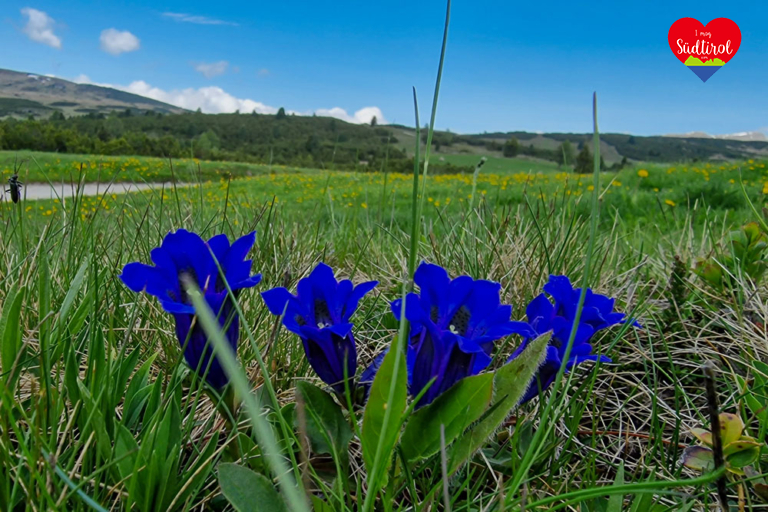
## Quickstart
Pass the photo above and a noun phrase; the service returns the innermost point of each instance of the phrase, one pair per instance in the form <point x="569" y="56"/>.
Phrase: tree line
<point x="300" y="141"/>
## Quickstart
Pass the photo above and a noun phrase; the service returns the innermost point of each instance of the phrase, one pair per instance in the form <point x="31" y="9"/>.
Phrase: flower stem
<point x="717" y="440"/>
<point x="227" y="406"/>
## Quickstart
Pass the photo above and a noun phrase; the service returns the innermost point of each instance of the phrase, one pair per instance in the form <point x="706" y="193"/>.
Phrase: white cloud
<point x="83" y="79"/>
<point x="116" y="42"/>
<point x="39" y="27"/>
<point x="211" y="100"/>
<point x="362" y="116"/>
<point x="197" y="20"/>
<point x="210" y="70"/>
<point x="215" y="100"/>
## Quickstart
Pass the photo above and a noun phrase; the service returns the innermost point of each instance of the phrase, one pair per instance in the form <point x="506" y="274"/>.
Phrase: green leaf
<point x="644" y="502"/>
<point x="325" y="421"/>
<point x="94" y="421"/>
<point x="745" y="443"/>
<point x="698" y="458"/>
<point x="196" y="475"/>
<point x="731" y="427"/>
<point x="247" y="491"/>
<point x="705" y="436"/>
<point x="762" y="370"/>
<point x="74" y="288"/>
<point x="457" y="408"/>
<point x="137" y="393"/>
<point x="376" y="408"/>
<point x="43" y="306"/>
<point x="509" y="384"/>
<point x="616" y="501"/>
<point x="80" y="314"/>
<point x="72" y="376"/>
<point x="63" y="318"/>
<point x="755" y="404"/>
<point x="741" y="453"/>
<point x="319" y="505"/>
<point x="10" y="329"/>
<point x="126" y="452"/>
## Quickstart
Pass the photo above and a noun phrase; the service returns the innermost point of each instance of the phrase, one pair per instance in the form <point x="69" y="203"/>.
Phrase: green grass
<point x="499" y="164"/>
<point x="37" y="167"/>
<point x="101" y="365"/>
<point x="644" y="205"/>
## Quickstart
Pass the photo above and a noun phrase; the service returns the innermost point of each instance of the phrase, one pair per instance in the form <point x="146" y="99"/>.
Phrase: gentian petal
<point x="277" y="299"/>
<point x="140" y="277"/>
<point x="459" y="291"/>
<point x="327" y="354"/>
<point x="423" y="360"/>
<point x="219" y="245"/>
<point x="235" y="266"/>
<point x="240" y="249"/>
<point x="190" y="255"/>
<point x="372" y="369"/>
<point x="358" y="292"/>
<point x="560" y="288"/>
<point x="341" y="330"/>
<point x="540" y="308"/>
<point x="433" y="282"/>
<point x="248" y="283"/>
<point x="280" y="302"/>
<point x="177" y="307"/>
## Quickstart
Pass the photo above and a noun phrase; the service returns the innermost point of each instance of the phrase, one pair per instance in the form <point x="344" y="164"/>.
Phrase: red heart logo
<point x="704" y="49"/>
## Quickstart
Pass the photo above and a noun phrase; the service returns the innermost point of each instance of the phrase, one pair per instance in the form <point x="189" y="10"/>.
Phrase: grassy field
<point x="636" y="197"/>
<point x="99" y="410"/>
<point x="39" y="167"/>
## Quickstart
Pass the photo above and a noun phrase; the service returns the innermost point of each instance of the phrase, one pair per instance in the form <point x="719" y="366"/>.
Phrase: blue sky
<point x="510" y="65"/>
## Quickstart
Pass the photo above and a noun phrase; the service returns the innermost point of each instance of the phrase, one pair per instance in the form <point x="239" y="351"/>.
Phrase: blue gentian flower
<point x="454" y="324"/>
<point x="185" y="255"/>
<point x="597" y="312"/>
<point x="319" y="315"/>
<point x="543" y="316"/>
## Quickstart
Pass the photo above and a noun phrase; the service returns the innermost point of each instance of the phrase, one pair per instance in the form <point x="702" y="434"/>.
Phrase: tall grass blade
<point x="251" y="403"/>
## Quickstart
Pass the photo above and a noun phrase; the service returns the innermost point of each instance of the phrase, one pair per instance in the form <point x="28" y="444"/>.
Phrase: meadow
<point x="640" y="196"/>
<point x="100" y="411"/>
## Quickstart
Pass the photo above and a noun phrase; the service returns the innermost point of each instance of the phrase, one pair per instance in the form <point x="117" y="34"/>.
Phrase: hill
<point x="50" y="114"/>
<point x="298" y="141"/>
<point x="26" y="94"/>
<point x="613" y="146"/>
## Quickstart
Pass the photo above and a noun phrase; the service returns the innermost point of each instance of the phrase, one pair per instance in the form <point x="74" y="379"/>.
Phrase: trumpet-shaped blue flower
<point x="543" y="316"/>
<point x="319" y="315"/>
<point x="597" y="312"/>
<point x="184" y="255"/>
<point x="454" y="324"/>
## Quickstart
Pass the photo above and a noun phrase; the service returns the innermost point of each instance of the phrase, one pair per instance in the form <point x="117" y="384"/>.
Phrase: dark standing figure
<point x="15" y="189"/>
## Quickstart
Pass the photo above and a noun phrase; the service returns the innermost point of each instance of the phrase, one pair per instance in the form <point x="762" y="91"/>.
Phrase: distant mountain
<point x="25" y="94"/>
<point x="744" y="136"/>
<point x="165" y="130"/>
<point x="614" y="147"/>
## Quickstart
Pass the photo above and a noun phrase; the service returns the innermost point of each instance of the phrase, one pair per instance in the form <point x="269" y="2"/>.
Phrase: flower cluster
<point x="597" y="314"/>
<point x="454" y="323"/>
